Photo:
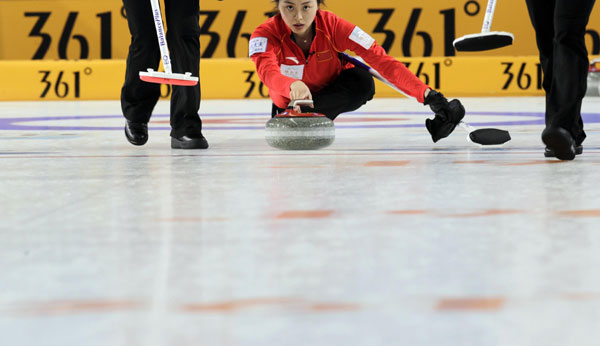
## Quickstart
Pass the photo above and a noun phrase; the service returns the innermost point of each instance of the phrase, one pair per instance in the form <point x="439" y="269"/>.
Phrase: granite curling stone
<point x="292" y="130"/>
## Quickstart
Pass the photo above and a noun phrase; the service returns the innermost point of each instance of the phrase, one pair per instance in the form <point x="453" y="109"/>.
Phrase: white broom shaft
<point x="489" y="16"/>
<point x="162" y="37"/>
<point x="466" y="127"/>
<point x="377" y="75"/>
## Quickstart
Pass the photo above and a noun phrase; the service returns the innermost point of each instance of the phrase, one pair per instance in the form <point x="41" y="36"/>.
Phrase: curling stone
<point x="292" y="130"/>
<point x="593" y="79"/>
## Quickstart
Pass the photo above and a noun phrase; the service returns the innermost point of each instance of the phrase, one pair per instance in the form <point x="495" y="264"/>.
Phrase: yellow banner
<point x="237" y="78"/>
<point x="63" y="29"/>
<point x="92" y="29"/>
<point x="459" y="76"/>
<point x="51" y="80"/>
<point x="416" y="28"/>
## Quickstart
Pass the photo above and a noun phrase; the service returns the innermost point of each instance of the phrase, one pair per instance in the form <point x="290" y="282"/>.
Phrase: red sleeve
<point x="351" y="37"/>
<point x="266" y="59"/>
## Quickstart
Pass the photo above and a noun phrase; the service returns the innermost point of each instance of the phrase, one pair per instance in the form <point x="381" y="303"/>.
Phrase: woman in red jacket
<point x="296" y="57"/>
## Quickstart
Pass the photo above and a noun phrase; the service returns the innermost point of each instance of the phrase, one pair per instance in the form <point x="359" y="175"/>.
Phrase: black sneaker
<point x="189" y="142"/>
<point x="560" y="142"/>
<point x="549" y="153"/>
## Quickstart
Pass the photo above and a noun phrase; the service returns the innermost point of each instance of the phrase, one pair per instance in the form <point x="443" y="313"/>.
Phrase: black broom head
<point x="483" y="41"/>
<point x="489" y="136"/>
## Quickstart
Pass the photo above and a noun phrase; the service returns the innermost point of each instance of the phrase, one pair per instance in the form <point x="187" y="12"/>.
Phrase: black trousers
<point x="352" y="89"/>
<point x="560" y="34"/>
<point x="138" y="98"/>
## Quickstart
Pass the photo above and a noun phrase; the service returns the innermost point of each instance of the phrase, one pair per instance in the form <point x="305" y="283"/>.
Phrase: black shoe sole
<point x="134" y="142"/>
<point x="197" y="143"/>
<point x="560" y="142"/>
<point x="550" y="153"/>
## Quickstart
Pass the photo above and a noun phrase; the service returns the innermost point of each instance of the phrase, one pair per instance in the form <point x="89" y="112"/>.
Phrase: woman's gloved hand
<point x="447" y="115"/>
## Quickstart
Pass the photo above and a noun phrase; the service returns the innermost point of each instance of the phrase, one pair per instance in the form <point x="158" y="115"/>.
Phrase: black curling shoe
<point x="189" y="142"/>
<point x="136" y="133"/>
<point x="549" y="153"/>
<point x="560" y="142"/>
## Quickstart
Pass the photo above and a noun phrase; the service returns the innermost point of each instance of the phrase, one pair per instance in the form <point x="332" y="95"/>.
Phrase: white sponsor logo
<point x="362" y="38"/>
<point x="293" y="71"/>
<point x="292" y="58"/>
<point x="258" y="45"/>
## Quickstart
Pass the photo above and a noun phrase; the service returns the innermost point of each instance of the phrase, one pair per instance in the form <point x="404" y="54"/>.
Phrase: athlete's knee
<point x="363" y="85"/>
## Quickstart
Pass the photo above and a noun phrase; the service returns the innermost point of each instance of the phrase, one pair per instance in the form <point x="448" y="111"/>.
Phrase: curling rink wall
<point x="91" y="38"/>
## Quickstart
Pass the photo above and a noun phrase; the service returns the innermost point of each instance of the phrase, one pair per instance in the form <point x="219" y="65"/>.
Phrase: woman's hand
<point x="447" y="115"/>
<point x="299" y="91"/>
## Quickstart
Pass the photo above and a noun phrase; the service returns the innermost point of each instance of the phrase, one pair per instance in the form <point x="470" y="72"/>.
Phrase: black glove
<point x="447" y="115"/>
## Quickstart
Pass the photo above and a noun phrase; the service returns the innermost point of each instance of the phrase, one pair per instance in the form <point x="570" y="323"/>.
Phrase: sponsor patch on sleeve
<point x="258" y="45"/>
<point x="362" y="38"/>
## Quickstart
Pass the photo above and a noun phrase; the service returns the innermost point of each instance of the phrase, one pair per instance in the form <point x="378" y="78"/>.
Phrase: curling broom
<point x="485" y="40"/>
<point x="489" y="136"/>
<point x="167" y="77"/>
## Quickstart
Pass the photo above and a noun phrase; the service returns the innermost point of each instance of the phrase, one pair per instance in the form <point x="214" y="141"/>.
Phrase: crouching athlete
<point x="297" y="56"/>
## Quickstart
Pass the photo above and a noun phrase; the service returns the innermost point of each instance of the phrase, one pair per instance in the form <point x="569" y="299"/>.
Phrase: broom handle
<point x="470" y="129"/>
<point x="356" y="62"/>
<point x="489" y="16"/>
<point x="162" y="37"/>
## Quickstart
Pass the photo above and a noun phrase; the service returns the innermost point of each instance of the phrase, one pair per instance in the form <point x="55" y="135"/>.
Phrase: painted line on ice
<point x="21" y="123"/>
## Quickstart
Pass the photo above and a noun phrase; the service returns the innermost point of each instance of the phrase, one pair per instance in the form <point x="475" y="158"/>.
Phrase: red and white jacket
<point x="280" y="61"/>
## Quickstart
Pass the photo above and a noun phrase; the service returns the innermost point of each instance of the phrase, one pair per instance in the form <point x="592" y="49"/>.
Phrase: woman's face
<point x="298" y="14"/>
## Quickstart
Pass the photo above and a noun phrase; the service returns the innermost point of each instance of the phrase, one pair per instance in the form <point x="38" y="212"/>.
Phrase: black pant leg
<point x="183" y="37"/>
<point x="138" y="98"/>
<point x="541" y="13"/>
<point x="571" y="66"/>
<point x="560" y="35"/>
<point x="352" y="89"/>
